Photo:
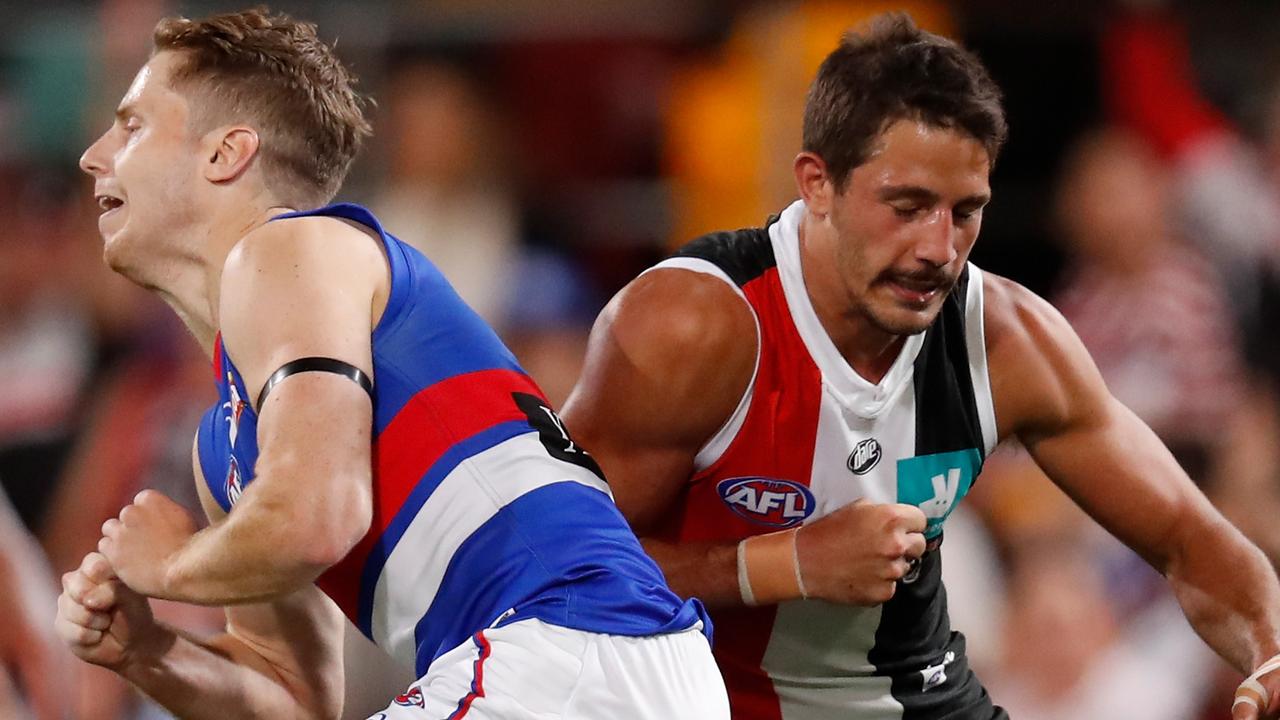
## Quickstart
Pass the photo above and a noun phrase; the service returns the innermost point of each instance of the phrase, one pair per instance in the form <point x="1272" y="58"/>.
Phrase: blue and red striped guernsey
<point x="485" y="512"/>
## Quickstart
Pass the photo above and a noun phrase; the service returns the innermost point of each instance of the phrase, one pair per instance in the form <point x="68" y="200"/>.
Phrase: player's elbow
<point x="339" y="526"/>
<point x="318" y="533"/>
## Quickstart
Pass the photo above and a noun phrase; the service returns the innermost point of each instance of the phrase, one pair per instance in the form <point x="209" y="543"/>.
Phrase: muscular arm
<point x="291" y="289"/>
<point x="668" y="361"/>
<point x="1049" y="394"/>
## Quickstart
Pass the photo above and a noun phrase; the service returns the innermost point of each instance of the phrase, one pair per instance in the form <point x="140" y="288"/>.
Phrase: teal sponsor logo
<point x="936" y="483"/>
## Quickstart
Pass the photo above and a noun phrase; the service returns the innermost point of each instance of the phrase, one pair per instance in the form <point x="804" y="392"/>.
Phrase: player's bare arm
<point x="278" y="659"/>
<point x="670" y="358"/>
<point x="1050" y="396"/>
<point x="298" y="288"/>
<point x="666" y="366"/>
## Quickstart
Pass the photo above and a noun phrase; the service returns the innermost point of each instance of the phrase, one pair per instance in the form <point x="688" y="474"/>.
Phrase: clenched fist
<point x="857" y="554"/>
<point x="142" y="542"/>
<point x="102" y="620"/>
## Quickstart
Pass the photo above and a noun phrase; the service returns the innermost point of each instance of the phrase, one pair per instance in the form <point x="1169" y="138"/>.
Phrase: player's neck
<point x="867" y="348"/>
<point x="192" y="286"/>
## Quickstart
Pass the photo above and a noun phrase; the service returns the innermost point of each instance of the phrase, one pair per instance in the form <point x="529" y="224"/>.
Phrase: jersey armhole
<point x="203" y="439"/>
<point x="719" y="442"/>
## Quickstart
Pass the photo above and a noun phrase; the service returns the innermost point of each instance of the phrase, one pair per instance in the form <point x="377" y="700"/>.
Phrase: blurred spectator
<point x="448" y="191"/>
<point x="1150" y="310"/>
<point x="451" y="194"/>
<point x="1229" y="189"/>
<point x="1229" y="198"/>
<point x="1069" y="656"/>
<point x="46" y="346"/>
<point x="34" y="666"/>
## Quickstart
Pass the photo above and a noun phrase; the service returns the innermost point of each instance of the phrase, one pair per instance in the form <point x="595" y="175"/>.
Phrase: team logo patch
<point x="767" y="501"/>
<point x="865" y="456"/>
<point x="234" y="486"/>
<point x="936" y="483"/>
<point x="936" y="675"/>
<point x="412" y="698"/>
<point x="235" y="408"/>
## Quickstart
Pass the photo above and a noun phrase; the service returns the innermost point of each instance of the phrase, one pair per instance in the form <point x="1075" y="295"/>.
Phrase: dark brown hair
<point x="891" y="71"/>
<point x="275" y="73"/>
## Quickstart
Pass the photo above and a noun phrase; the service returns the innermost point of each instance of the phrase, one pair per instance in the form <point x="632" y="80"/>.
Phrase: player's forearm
<point x="705" y="570"/>
<point x="204" y="679"/>
<point x="260" y="552"/>
<point x="1228" y="590"/>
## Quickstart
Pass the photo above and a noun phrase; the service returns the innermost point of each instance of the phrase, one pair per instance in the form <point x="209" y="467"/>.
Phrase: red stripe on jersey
<point x="777" y="441"/>
<point x="217" y="357"/>
<point x="433" y="421"/>
<point x="477" y="681"/>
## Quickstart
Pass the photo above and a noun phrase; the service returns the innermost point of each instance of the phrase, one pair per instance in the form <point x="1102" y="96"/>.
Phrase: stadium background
<point x="543" y="153"/>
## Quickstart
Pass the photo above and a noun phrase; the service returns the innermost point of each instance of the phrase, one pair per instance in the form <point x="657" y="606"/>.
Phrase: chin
<point x="116" y="254"/>
<point x="901" y="321"/>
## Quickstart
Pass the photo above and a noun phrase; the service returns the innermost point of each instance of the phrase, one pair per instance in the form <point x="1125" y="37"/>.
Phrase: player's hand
<point x="141" y="543"/>
<point x="102" y="620"/>
<point x="857" y="554"/>
<point x="1258" y="697"/>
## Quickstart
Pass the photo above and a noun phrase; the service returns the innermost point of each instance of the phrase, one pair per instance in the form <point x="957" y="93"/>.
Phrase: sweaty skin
<point x="672" y="355"/>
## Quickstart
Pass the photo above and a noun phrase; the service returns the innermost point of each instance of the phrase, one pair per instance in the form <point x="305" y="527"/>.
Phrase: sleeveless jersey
<point x="485" y="511"/>
<point x="811" y="436"/>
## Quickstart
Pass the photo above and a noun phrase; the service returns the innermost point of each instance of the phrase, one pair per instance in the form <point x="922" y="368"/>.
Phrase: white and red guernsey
<point x="811" y="436"/>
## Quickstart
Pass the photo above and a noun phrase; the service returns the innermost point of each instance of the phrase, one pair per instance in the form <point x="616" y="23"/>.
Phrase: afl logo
<point x="864" y="456"/>
<point x="767" y="501"/>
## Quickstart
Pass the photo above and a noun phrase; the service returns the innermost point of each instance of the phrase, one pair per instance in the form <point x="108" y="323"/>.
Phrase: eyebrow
<point x="926" y="196"/>
<point x="124" y="111"/>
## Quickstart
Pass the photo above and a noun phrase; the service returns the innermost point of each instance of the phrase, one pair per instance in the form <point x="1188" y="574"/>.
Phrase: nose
<point x="936" y="245"/>
<point x="94" y="159"/>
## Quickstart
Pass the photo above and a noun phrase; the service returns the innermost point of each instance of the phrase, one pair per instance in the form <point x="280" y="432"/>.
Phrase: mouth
<point x="108" y="202"/>
<point x="917" y="291"/>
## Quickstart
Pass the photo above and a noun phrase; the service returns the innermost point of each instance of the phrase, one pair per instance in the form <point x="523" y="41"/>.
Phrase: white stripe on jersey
<point x="462" y="503"/>
<point x="855" y="392"/>
<point x="975" y="336"/>
<point x="719" y="443"/>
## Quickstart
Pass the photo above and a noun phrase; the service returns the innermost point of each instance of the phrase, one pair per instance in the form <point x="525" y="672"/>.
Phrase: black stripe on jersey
<point x="915" y="630"/>
<point x="743" y="255"/>
<point x="946" y="409"/>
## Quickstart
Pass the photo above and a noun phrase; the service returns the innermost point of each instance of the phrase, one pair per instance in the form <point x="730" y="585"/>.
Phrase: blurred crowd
<point x="543" y="154"/>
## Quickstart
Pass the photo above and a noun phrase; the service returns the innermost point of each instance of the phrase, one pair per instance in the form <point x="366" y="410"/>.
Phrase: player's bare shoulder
<point x="301" y="287"/>
<point x="301" y="246"/>
<point x="671" y="356"/>
<point x="1040" y="372"/>
<point x="695" y="321"/>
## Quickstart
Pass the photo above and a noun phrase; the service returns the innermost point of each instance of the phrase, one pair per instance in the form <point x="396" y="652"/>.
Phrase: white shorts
<point x="530" y="670"/>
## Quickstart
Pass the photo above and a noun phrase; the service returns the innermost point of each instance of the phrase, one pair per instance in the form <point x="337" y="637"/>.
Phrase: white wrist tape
<point x="768" y="569"/>
<point x="1251" y="692"/>
<point x="744" y="582"/>
<point x="795" y="561"/>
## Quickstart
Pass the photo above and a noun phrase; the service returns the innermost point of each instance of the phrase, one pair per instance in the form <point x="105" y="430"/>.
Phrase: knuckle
<point x="74" y="588"/>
